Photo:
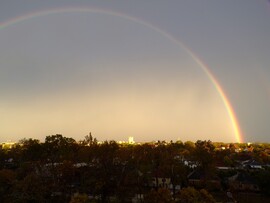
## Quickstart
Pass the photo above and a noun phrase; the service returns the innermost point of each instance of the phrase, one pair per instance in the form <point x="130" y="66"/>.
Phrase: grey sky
<point x="130" y="80"/>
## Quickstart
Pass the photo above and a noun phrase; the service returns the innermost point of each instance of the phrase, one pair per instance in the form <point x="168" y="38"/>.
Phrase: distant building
<point x="8" y="145"/>
<point x="131" y="140"/>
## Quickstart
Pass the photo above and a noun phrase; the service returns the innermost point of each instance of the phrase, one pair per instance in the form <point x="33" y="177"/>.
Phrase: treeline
<point x="63" y="170"/>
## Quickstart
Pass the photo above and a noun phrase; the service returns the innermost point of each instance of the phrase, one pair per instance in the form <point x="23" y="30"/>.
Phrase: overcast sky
<point x="116" y="68"/>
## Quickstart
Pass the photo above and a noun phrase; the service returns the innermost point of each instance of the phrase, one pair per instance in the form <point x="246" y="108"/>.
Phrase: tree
<point x="7" y="181"/>
<point x="31" y="149"/>
<point x="59" y="148"/>
<point x="161" y="195"/>
<point x="89" y="140"/>
<point x="191" y="195"/>
<point x="189" y="148"/>
<point x="79" y="198"/>
<point x="30" y="189"/>
<point x="263" y="179"/>
<point x="106" y="175"/>
<point x="204" y="154"/>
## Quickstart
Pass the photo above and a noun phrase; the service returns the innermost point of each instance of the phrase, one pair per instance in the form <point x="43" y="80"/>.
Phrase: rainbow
<point x="204" y="67"/>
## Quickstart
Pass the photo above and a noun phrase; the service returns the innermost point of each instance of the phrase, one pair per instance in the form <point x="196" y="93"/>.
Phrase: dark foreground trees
<point x="63" y="170"/>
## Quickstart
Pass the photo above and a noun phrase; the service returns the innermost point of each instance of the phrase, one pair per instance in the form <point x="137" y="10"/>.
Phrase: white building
<point x="130" y="140"/>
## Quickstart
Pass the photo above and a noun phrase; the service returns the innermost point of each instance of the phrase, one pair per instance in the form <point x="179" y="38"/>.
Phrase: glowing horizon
<point x="236" y="128"/>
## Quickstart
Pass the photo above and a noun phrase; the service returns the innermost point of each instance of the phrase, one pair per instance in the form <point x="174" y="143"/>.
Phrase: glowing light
<point x="203" y="66"/>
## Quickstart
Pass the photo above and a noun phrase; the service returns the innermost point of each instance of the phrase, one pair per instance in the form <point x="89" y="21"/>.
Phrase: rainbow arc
<point x="202" y="65"/>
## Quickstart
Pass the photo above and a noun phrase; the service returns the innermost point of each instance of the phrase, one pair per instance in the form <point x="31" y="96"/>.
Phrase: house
<point x="161" y="182"/>
<point x="251" y="164"/>
<point x="191" y="164"/>
<point x="199" y="179"/>
<point x="242" y="181"/>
